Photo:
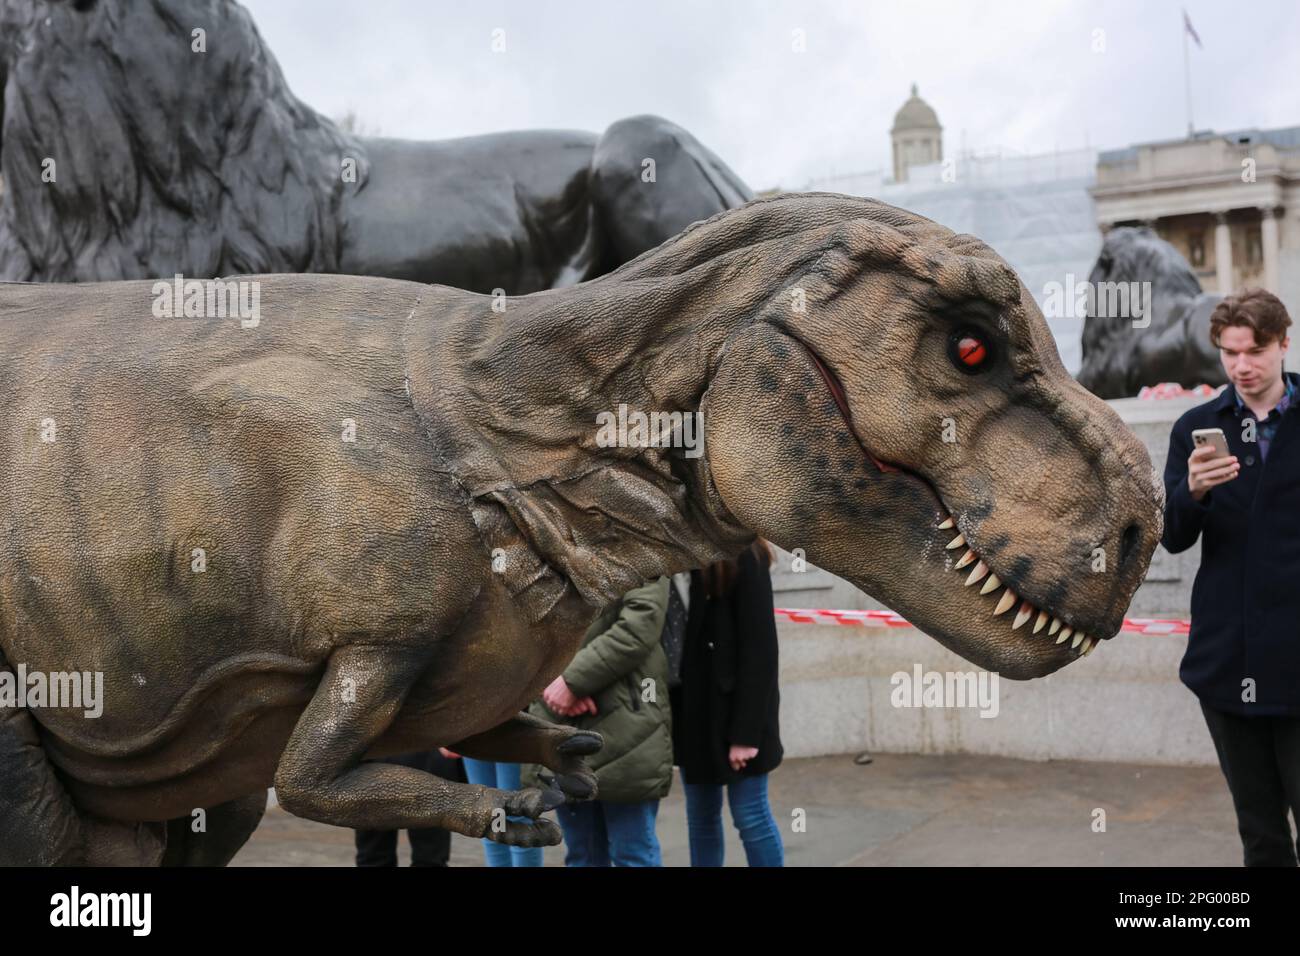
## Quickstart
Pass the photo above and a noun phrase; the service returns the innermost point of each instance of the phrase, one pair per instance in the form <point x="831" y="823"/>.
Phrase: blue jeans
<point x="597" y="833"/>
<point x="503" y="776"/>
<point x="749" y="812"/>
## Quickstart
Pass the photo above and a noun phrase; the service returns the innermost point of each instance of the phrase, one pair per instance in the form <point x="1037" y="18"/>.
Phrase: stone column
<point x="1268" y="234"/>
<point x="1222" y="253"/>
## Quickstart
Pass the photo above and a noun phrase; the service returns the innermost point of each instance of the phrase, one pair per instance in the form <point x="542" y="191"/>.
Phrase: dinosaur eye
<point x="969" y="350"/>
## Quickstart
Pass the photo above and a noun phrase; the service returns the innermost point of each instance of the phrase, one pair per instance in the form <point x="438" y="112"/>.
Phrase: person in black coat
<point x="725" y="700"/>
<point x="1243" y="653"/>
<point x="430" y="846"/>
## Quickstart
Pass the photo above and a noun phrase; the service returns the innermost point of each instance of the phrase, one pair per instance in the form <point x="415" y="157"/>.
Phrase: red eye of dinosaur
<point x="969" y="350"/>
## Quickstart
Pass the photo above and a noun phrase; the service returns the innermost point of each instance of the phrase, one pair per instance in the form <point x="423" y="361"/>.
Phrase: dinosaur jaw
<point x="1002" y="600"/>
<point x="982" y="613"/>
<point x="968" y="605"/>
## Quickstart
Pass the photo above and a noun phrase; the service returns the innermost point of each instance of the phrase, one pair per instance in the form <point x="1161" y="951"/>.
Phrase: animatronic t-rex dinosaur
<point x="270" y="603"/>
<point x="132" y="148"/>
<point x="1120" y="356"/>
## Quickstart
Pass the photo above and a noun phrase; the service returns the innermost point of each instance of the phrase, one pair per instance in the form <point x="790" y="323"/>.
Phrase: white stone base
<point x="1122" y="703"/>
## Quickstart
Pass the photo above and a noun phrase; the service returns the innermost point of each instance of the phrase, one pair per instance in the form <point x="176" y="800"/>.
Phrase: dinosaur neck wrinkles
<point x="514" y="399"/>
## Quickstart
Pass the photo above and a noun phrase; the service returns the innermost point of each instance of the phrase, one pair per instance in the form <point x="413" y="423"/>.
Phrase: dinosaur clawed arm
<point x="321" y="775"/>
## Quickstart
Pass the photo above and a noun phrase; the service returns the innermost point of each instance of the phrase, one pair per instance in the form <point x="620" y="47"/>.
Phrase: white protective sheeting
<point x="1035" y="211"/>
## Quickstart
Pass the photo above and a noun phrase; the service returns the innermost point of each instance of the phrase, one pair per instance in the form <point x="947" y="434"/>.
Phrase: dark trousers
<point x="430" y="846"/>
<point x="1260" y="757"/>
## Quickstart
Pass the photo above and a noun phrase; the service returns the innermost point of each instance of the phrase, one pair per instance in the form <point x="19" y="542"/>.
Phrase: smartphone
<point x="1213" y="437"/>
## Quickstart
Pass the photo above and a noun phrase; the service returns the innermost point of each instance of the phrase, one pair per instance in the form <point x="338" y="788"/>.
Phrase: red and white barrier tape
<point x="796" y="615"/>
<point x="1174" y="390"/>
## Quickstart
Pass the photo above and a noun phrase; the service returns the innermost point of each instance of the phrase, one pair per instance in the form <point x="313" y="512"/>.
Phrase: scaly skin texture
<point x="420" y="585"/>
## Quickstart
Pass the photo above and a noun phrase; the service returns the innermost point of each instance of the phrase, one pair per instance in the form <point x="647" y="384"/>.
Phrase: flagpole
<point x="1187" y="79"/>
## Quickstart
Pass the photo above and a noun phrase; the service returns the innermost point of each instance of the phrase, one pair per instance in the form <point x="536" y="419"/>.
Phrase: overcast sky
<point x="1020" y="76"/>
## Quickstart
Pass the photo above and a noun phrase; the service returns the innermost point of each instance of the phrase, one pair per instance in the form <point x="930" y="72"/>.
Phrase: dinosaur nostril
<point x="1127" y="542"/>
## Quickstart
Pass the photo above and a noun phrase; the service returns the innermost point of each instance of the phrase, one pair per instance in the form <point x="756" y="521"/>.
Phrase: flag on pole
<point x="1191" y="30"/>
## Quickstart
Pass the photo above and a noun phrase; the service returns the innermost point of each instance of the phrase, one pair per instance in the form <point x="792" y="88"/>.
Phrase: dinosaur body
<point x="418" y="585"/>
<point x="228" y="440"/>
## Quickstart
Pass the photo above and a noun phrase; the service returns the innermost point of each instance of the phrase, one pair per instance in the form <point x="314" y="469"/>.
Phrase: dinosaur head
<point x="899" y="412"/>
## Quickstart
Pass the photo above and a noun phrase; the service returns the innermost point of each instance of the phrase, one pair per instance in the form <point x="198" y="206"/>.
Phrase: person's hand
<point x="1204" y="470"/>
<point x="559" y="699"/>
<point x="448" y="754"/>
<point x="739" y="756"/>
<point x="584" y="706"/>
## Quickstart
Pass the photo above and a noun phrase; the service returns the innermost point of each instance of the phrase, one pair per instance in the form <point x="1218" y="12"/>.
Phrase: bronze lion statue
<point x="1170" y="343"/>
<point x="147" y="138"/>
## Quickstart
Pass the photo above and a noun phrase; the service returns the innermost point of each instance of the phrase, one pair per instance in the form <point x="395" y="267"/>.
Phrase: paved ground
<point x="916" y="811"/>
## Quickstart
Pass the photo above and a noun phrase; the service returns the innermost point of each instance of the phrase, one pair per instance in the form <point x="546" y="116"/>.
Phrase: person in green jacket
<point x="617" y="685"/>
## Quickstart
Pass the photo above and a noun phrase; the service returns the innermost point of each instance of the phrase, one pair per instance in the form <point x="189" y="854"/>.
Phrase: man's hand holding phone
<point x="1207" y="468"/>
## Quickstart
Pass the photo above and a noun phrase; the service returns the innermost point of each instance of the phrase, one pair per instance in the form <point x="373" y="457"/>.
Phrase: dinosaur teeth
<point x="978" y="573"/>
<point x="1026" y="609"/>
<point x="1082" y="644"/>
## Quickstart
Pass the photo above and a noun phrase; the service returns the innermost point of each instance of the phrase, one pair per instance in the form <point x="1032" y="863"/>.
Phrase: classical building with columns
<point x="916" y="136"/>
<point x="1229" y="202"/>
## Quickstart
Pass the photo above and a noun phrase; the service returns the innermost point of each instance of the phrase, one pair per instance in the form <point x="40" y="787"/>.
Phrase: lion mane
<point x="140" y="133"/>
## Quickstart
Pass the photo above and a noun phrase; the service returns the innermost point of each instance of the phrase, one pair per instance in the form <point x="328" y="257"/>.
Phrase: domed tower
<point x="917" y="136"/>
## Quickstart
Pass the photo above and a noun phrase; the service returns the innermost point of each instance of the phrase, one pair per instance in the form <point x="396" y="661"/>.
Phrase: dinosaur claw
<point x="581" y="744"/>
<point x="578" y="786"/>
<point x="537" y="833"/>
<point x="524" y="803"/>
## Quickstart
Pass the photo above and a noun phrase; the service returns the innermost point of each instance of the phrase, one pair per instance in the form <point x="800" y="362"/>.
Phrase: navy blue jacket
<point x="1246" y="599"/>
